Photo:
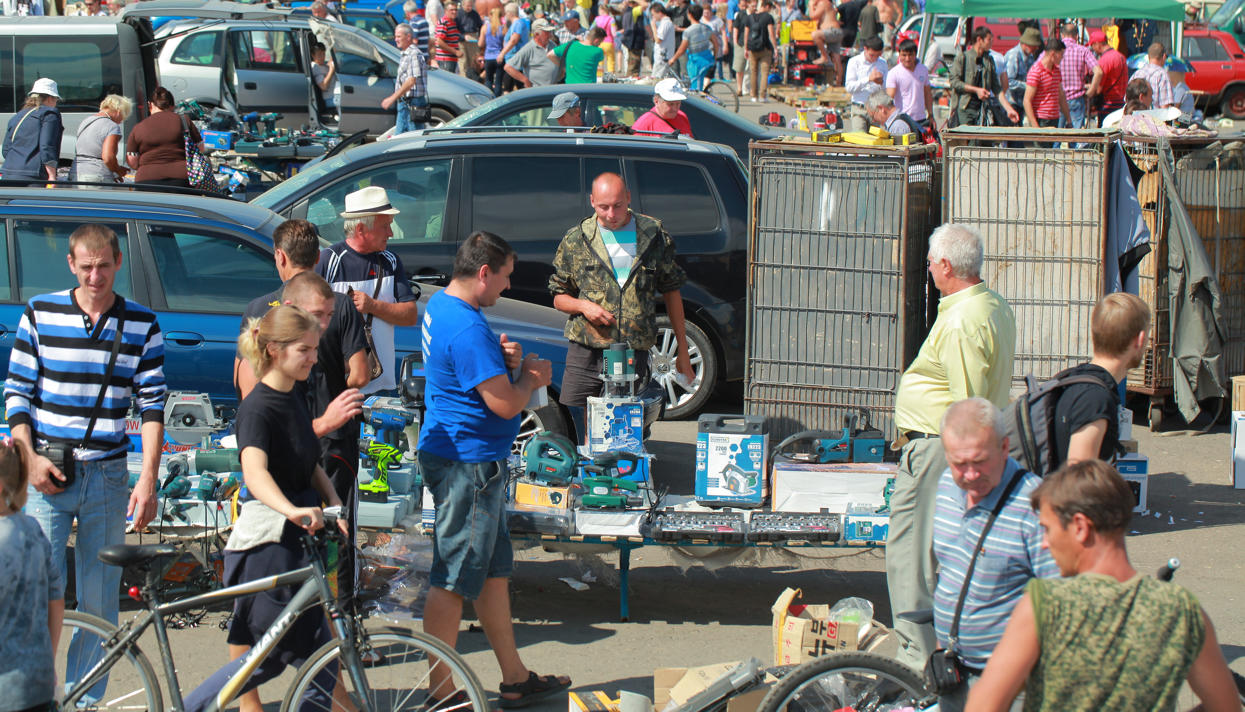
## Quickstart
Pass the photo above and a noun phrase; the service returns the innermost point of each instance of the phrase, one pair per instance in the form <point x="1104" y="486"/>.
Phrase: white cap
<point x="366" y="202"/>
<point x="43" y="85"/>
<point x="670" y="89"/>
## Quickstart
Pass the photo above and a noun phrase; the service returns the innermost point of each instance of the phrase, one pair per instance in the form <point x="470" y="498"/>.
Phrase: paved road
<point x="687" y="615"/>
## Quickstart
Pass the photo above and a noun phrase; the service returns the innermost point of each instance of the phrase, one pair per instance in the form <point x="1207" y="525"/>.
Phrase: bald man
<point x="615" y="304"/>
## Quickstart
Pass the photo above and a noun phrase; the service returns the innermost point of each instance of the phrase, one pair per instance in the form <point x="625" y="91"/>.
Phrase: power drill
<point x="388" y="417"/>
<point x="253" y="119"/>
<point x="385" y="456"/>
<point x="606" y="487"/>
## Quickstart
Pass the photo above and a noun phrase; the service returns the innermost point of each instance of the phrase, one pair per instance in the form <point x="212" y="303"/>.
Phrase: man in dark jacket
<point x="32" y="142"/>
<point x="975" y="83"/>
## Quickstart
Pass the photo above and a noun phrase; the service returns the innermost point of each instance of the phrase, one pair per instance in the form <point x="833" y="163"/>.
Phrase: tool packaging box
<point x="731" y="459"/>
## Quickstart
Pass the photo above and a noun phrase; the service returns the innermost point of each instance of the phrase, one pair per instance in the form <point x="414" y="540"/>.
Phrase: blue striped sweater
<point x="1012" y="555"/>
<point x="57" y="367"/>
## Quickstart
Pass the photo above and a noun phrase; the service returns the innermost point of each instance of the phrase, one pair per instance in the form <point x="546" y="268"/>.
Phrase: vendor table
<point x="626" y="544"/>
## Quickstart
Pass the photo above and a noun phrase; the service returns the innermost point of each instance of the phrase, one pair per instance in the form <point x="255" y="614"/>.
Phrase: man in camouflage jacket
<point x="607" y="275"/>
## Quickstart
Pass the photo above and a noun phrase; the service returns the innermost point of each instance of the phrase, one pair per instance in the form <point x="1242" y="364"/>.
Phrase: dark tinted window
<point x="539" y="195"/>
<point x="678" y="194"/>
<point x="8" y="91"/>
<point x="86" y="70"/>
<point x="210" y="272"/>
<point x="418" y="189"/>
<point x="268" y="50"/>
<point x="1206" y="49"/>
<point x="202" y="49"/>
<point x="41" y="249"/>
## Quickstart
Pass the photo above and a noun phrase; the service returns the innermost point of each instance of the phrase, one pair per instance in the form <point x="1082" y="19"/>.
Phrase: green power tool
<point x="604" y="486"/>
<point x="549" y="458"/>
<point x="385" y="456"/>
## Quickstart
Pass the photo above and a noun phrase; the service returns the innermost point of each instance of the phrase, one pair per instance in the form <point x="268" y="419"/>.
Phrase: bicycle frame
<point x="314" y="589"/>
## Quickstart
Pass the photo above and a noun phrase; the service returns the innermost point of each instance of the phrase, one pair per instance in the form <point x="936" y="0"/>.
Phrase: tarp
<point x="1151" y="9"/>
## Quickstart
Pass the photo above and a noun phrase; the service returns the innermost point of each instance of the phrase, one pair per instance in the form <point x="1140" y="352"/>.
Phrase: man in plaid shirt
<point x="1078" y="63"/>
<point x="411" y="84"/>
<point x="1155" y="72"/>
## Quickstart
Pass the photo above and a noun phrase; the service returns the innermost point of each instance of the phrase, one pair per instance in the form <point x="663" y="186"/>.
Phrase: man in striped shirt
<point x="978" y="474"/>
<point x="56" y="371"/>
<point x="1045" y="101"/>
<point x="449" y="39"/>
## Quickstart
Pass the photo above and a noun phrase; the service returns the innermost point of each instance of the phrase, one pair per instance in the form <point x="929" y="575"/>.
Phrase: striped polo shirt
<point x="1011" y="556"/>
<point x="57" y="367"/>
<point x="1047" y="83"/>
<point x="448" y="32"/>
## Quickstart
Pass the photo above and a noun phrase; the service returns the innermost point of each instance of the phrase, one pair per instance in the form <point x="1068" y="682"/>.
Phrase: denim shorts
<point x="471" y="541"/>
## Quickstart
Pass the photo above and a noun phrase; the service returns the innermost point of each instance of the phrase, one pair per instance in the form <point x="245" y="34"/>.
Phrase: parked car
<point x="265" y="67"/>
<point x="620" y="103"/>
<point x="374" y="20"/>
<point x="944" y="32"/>
<point x="197" y="262"/>
<point x="1218" y="63"/>
<point x="530" y="187"/>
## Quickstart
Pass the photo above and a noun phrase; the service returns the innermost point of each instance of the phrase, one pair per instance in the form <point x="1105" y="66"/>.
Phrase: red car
<point x="1218" y="64"/>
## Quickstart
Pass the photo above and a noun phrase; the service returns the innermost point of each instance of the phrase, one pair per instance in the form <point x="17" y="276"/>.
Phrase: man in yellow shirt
<point x="969" y="352"/>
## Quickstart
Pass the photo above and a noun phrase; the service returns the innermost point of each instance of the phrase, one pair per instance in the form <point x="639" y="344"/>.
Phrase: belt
<point x="914" y="435"/>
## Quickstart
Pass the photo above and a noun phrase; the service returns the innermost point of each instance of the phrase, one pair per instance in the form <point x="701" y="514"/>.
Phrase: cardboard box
<point x="222" y="140"/>
<point x="615" y="424"/>
<point x="833" y="487"/>
<point x="609" y="522"/>
<point x="803" y="632"/>
<point x="731" y="458"/>
<point x="1135" y="469"/>
<point x="673" y="687"/>
<point x="385" y="515"/>
<point x="865" y="528"/>
<point x="1238" y="393"/>
<point x="1237" y="473"/>
<point x="1126" y="423"/>
<point x="526" y="493"/>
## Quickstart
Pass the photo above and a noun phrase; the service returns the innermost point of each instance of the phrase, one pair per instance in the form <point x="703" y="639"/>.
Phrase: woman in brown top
<point x="156" y="147"/>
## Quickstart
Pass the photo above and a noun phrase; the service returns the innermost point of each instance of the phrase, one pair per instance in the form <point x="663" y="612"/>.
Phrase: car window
<point x="86" y="70"/>
<point x="41" y="249"/>
<point x="540" y="193"/>
<point x="944" y="25"/>
<point x="595" y="166"/>
<point x="535" y="116"/>
<point x="616" y="112"/>
<point x="418" y="189"/>
<point x="204" y="271"/>
<point x="265" y="50"/>
<point x="377" y="26"/>
<point x="202" y="49"/>
<point x="679" y="194"/>
<point x="350" y="63"/>
<point x="1205" y="49"/>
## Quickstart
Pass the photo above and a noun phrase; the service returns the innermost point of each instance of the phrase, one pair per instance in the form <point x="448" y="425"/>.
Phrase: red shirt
<point x="650" y="123"/>
<point x="447" y="32"/>
<point x="1047" y="83"/>
<point x="1114" y="78"/>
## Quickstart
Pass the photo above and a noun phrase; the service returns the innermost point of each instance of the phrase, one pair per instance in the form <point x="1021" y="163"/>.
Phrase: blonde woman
<point x="492" y="37"/>
<point x="99" y="135"/>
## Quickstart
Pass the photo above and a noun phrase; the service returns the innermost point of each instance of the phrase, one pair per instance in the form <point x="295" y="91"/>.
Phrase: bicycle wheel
<point x="864" y="682"/>
<point x="723" y="94"/>
<point x="396" y="668"/>
<point x="130" y="683"/>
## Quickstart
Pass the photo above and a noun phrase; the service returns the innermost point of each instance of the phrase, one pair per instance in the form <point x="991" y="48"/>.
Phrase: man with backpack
<point x="1085" y="424"/>
<point x="634" y="35"/>
<point x="969" y="352"/>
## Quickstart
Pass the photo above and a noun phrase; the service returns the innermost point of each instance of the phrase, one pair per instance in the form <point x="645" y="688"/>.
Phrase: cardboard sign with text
<point x="803" y="632"/>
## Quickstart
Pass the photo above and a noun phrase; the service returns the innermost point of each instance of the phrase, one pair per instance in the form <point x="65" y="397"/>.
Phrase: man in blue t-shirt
<point x="472" y="419"/>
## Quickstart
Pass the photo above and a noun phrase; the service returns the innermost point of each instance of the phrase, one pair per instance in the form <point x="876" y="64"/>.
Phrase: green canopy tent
<point x="1170" y="10"/>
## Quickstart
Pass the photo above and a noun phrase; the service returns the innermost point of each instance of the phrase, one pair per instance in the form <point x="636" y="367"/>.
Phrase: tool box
<point x="731" y="458"/>
<point x="724" y="527"/>
<point x="615" y="423"/>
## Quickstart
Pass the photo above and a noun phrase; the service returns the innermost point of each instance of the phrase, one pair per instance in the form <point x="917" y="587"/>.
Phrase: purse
<point x="199" y="171"/>
<point x="945" y="671"/>
<point x="62" y="455"/>
<point x="375" y="367"/>
<point x="419" y="114"/>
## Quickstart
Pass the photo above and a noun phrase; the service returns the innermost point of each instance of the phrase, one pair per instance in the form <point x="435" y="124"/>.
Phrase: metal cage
<point x="837" y="294"/>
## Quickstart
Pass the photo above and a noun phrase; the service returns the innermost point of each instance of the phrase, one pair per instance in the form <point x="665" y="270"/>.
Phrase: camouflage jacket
<point x="582" y="269"/>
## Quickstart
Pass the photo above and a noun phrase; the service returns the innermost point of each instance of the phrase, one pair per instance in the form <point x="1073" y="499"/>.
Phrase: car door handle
<point x="184" y="338"/>
<point x="249" y="85"/>
<point x="1225" y="66"/>
<point x="348" y="89"/>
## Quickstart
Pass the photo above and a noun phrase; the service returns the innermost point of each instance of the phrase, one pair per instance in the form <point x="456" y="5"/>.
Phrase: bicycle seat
<point x="920" y="616"/>
<point x="126" y="554"/>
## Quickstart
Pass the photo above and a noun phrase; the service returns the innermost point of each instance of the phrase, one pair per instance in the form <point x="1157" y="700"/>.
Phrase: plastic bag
<point x="394" y="575"/>
<point x="852" y="610"/>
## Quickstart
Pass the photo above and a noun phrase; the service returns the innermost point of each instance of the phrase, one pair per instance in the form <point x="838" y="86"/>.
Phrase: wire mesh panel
<point x="1211" y="179"/>
<point x="1041" y="212"/>
<point x="836" y="281"/>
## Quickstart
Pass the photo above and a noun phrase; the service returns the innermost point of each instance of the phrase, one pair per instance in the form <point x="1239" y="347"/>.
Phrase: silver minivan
<point x="264" y="66"/>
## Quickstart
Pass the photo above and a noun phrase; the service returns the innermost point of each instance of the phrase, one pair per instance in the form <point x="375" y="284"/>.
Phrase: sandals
<point x="534" y="689"/>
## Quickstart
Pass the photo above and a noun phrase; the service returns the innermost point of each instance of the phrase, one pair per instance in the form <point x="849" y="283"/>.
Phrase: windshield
<point x="468" y="118"/>
<point x="1223" y="16"/>
<point x="295" y="183"/>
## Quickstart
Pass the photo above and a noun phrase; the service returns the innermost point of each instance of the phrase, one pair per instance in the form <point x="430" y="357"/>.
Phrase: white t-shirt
<point x="664" y="48"/>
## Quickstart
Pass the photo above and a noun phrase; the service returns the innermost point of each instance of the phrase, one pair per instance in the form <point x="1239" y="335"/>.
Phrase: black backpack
<point x="632" y="30"/>
<point x="1030" y="421"/>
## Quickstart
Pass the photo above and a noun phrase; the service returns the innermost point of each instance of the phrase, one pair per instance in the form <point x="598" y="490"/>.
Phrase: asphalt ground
<point x="684" y="613"/>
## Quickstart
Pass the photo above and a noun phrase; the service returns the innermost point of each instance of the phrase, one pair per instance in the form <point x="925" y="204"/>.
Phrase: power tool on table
<point x="269" y="120"/>
<point x="618" y="370"/>
<point x="197" y="462"/>
<point x="549" y="459"/>
<point x="389" y="418"/>
<point x="851" y="444"/>
<point x="385" y="456"/>
<point x="605" y="484"/>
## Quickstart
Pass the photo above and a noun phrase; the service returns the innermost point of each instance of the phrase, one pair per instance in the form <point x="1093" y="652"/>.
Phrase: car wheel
<point x="551" y="418"/>
<point x="1233" y="103"/>
<point x="439" y="117"/>
<point x="683" y="402"/>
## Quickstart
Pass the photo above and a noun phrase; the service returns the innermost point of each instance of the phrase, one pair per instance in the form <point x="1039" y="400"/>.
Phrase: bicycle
<point x="716" y="91"/>
<point x="371" y="670"/>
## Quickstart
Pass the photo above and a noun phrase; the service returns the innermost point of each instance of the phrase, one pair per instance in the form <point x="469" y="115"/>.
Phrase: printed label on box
<point x="730" y="467"/>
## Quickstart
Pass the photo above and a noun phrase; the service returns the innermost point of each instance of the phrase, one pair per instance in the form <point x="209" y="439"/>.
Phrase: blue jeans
<point x="98" y="499"/>
<point x="470" y="539"/>
<point x="404" y="115"/>
<point x="1076" y="107"/>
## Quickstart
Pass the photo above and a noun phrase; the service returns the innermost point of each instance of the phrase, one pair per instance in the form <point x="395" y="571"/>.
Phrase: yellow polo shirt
<point x="969" y="352"/>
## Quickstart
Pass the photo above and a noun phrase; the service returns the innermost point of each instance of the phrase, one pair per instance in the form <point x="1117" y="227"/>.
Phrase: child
<point x="32" y="602"/>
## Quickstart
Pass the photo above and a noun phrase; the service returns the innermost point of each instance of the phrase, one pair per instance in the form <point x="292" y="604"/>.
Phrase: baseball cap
<point x="670" y="89"/>
<point x="572" y="15"/>
<point x="1032" y="37"/>
<point x="563" y="103"/>
<point x="542" y="25"/>
<point x="1097" y="36"/>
